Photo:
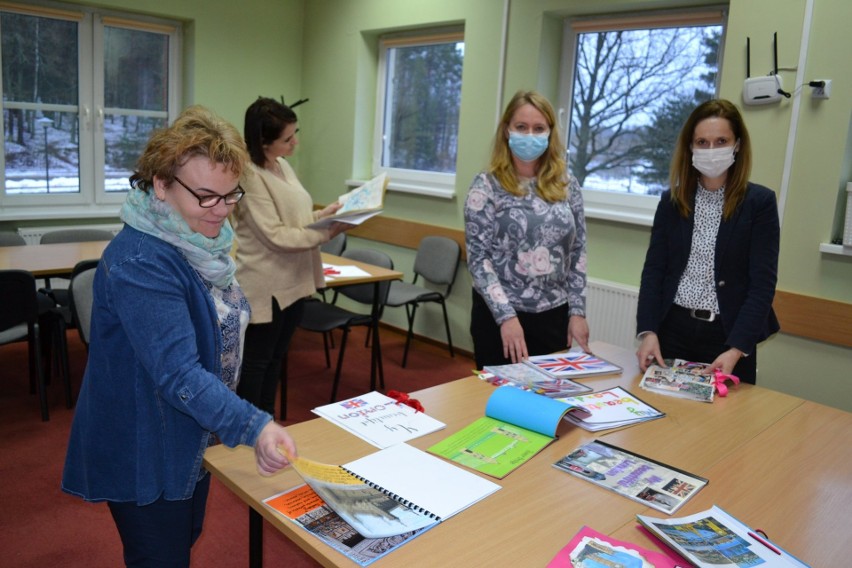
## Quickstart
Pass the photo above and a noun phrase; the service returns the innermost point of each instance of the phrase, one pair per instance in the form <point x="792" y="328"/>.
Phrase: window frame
<point x="630" y="208"/>
<point x="420" y="182"/>
<point x="92" y="201"/>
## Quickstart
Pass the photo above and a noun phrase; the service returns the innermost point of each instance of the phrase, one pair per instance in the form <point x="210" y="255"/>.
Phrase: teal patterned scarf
<point x="209" y="257"/>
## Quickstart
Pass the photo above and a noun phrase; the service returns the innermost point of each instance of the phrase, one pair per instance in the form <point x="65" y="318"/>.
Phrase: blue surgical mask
<point x="528" y="147"/>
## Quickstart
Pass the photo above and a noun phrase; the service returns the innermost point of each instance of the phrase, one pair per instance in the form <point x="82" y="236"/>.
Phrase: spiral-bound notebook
<point x="390" y="492"/>
<point x="418" y="479"/>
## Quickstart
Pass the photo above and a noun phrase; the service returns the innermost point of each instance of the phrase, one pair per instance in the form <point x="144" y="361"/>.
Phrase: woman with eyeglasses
<point x="166" y="341"/>
<point x="526" y="241"/>
<point x="278" y="256"/>
<point x="712" y="263"/>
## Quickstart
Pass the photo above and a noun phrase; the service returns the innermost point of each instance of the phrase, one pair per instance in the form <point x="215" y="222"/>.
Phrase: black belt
<point x="703" y="315"/>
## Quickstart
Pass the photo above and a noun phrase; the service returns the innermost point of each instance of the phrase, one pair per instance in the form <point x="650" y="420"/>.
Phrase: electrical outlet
<point x="823" y="92"/>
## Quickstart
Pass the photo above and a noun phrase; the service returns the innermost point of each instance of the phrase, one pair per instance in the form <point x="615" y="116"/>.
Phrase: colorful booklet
<point x="307" y="509"/>
<point x="529" y="378"/>
<point x="592" y="549"/>
<point x="379" y="419"/>
<point x="572" y="364"/>
<point x="650" y="482"/>
<point x="611" y="408"/>
<point x="517" y="425"/>
<point x="715" y="539"/>
<point x="362" y="203"/>
<point x="681" y="379"/>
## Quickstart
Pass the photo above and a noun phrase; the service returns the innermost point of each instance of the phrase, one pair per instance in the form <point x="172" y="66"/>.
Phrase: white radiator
<point x="611" y="312"/>
<point x="33" y="234"/>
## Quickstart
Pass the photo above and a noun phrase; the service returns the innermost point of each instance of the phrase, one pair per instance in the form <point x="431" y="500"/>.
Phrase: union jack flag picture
<point x="353" y="403"/>
<point x="572" y="364"/>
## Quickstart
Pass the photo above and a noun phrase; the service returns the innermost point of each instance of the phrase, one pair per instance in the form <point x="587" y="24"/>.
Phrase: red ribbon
<point x="721" y="377"/>
<point x="403" y="398"/>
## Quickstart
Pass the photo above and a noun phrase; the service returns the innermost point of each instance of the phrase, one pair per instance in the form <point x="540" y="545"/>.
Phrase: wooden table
<point x="775" y="461"/>
<point x="49" y="260"/>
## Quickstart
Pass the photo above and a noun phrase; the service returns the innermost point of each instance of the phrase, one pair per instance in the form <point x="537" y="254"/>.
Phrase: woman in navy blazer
<point x="711" y="267"/>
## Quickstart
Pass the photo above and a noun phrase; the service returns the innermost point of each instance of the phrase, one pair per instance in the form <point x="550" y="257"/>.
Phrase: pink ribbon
<point x="721" y="377"/>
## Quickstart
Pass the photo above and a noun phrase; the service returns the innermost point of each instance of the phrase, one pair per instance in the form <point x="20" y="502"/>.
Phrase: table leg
<point x="376" y="352"/>
<point x="255" y="539"/>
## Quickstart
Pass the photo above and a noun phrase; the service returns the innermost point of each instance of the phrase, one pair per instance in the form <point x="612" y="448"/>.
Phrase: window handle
<point x="87" y="116"/>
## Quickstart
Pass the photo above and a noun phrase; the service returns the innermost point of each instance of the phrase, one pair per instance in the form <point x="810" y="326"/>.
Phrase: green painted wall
<point x="325" y="50"/>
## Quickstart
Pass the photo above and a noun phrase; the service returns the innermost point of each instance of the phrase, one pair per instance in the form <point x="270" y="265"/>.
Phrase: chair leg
<point x="339" y="365"/>
<point x="378" y="347"/>
<point x="61" y="341"/>
<point x="325" y="347"/>
<point x="409" y="311"/>
<point x="447" y="326"/>
<point x="42" y="386"/>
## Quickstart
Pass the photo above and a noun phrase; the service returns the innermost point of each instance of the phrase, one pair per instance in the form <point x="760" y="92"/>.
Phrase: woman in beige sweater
<point x="278" y="257"/>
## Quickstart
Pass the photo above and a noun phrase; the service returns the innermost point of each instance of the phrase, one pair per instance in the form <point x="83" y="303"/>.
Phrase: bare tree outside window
<point x="632" y="90"/>
<point x="422" y="99"/>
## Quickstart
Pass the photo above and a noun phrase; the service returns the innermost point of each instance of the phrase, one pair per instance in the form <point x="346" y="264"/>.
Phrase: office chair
<point x="322" y="317"/>
<point x="11" y="239"/>
<point x="437" y="261"/>
<point x="19" y="319"/>
<point x="82" y="298"/>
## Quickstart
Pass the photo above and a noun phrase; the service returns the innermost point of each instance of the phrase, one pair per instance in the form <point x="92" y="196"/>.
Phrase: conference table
<point x="44" y="261"/>
<point x="775" y="461"/>
<point x="49" y="260"/>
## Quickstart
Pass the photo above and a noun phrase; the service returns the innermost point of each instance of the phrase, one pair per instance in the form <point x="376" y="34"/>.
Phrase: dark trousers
<point x="544" y="332"/>
<point x="265" y="346"/>
<point x="160" y="535"/>
<point x="684" y="337"/>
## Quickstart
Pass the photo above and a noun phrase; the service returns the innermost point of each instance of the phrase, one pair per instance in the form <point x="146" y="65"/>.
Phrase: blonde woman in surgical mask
<point x="712" y="264"/>
<point x="525" y="233"/>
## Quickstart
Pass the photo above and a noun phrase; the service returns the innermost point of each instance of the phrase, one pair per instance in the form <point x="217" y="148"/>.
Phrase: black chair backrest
<point x="18" y="291"/>
<point x="76" y="236"/>
<point x="364" y="292"/>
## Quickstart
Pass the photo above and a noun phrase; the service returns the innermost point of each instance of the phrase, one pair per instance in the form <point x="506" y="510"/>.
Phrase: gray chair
<point x="335" y="246"/>
<point x="11" y="239"/>
<point x="19" y="320"/>
<point x="437" y="261"/>
<point x="75" y="236"/>
<point x="82" y="298"/>
<point x="322" y="317"/>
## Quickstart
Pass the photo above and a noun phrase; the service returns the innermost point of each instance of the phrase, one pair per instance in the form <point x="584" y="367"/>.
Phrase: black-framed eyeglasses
<point x="208" y="201"/>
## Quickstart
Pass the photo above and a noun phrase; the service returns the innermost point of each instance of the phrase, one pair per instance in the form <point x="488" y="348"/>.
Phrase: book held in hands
<point x="715" y="539"/>
<point x="572" y="364"/>
<point x="358" y="205"/>
<point x="681" y="379"/>
<point x="527" y="377"/>
<point x="641" y="479"/>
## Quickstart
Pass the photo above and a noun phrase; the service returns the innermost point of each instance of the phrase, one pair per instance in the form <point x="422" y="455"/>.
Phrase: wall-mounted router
<point x="763" y="90"/>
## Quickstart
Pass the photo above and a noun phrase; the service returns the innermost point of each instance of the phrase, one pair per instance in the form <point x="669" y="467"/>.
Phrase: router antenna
<point x="775" y="51"/>
<point x="748" y="57"/>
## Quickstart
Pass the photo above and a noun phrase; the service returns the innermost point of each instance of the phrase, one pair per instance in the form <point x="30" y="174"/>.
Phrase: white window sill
<point x="413" y="188"/>
<point x="835" y="249"/>
<point x="620" y="207"/>
<point x="44" y="213"/>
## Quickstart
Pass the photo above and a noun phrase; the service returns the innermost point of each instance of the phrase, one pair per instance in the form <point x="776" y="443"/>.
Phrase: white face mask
<point x="713" y="162"/>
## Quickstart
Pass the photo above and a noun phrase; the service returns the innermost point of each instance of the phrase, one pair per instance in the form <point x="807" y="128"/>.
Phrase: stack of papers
<point x="529" y="378"/>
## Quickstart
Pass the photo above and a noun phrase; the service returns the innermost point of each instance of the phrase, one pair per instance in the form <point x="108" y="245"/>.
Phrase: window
<point x="82" y="92"/>
<point x="630" y="84"/>
<point x="417" y="118"/>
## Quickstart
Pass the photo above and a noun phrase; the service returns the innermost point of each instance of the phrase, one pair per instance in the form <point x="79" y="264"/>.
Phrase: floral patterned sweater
<point x="525" y="254"/>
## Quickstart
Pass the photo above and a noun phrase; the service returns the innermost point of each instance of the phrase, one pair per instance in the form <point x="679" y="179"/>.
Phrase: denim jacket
<point x="151" y="394"/>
